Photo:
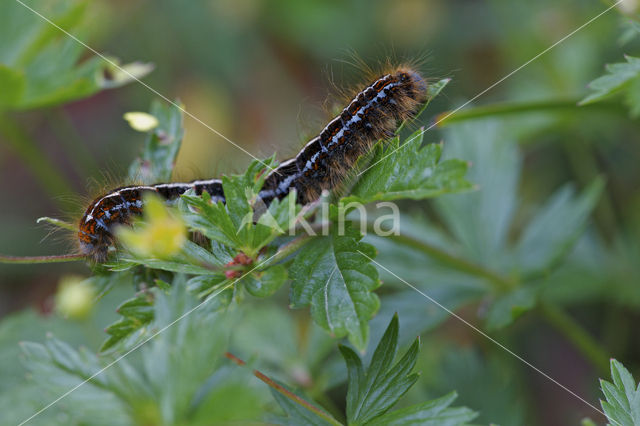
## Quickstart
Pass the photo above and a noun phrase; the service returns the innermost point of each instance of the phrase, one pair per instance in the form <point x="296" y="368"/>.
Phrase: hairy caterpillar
<point x="373" y="114"/>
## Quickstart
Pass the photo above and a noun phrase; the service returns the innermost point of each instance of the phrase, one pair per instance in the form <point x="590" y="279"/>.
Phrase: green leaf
<point x="241" y="192"/>
<point x="12" y="83"/>
<point x="431" y="413"/>
<point x="296" y="414"/>
<point x="502" y="398"/>
<point x="211" y="220"/>
<point x="480" y="220"/>
<point x="186" y="355"/>
<point x="621" y="77"/>
<point x="434" y="89"/>
<point x="56" y="368"/>
<point x="243" y="223"/>
<point x="507" y="308"/>
<point x="118" y="332"/>
<point x="277" y="332"/>
<point x="139" y="308"/>
<point x="103" y="282"/>
<point x="161" y="145"/>
<point x="30" y="325"/>
<point x="555" y="228"/>
<point x="265" y="283"/>
<point x="232" y="400"/>
<point x="204" y="285"/>
<point x="375" y="390"/>
<point x="630" y="30"/>
<point x="45" y="67"/>
<point x="332" y="276"/>
<point x="408" y="171"/>
<point x="633" y="98"/>
<point x="372" y="392"/>
<point x="622" y="405"/>
<point x="181" y="265"/>
<point x="418" y="314"/>
<point x="164" y="382"/>
<point x="137" y="312"/>
<point x="197" y="254"/>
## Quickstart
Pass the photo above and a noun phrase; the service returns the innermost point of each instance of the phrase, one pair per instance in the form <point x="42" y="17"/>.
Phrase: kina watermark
<point x="317" y="218"/>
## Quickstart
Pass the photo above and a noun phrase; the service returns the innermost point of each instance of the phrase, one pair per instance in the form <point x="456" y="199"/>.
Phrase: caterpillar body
<point x="373" y="114"/>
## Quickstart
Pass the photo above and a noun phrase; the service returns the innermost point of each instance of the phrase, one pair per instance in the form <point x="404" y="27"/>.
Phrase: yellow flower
<point x="161" y="235"/>
<point x="75" y="297"/>
<point x="141" y="121"/>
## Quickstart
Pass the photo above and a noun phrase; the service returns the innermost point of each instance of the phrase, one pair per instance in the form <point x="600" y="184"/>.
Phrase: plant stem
<point x="577" y="335"/>
<point x="570" y="105"/>
<point x="47" y="176"/>
<point x="41" y="259"/>
<point x="281" y="389"/>
<point x="462" y="265"/>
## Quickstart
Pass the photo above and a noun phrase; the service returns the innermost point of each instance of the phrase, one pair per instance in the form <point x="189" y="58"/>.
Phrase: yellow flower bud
<point x="75" y="297"/>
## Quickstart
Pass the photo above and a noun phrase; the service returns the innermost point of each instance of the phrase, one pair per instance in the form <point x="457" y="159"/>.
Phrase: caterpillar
<point x="373" y="114"/>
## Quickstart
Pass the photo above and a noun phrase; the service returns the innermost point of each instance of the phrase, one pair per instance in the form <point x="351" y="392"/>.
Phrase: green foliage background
<point x="539" y="249"/>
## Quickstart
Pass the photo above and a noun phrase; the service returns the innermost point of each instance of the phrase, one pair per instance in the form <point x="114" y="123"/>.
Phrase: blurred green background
<point x="263" y="74"/>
